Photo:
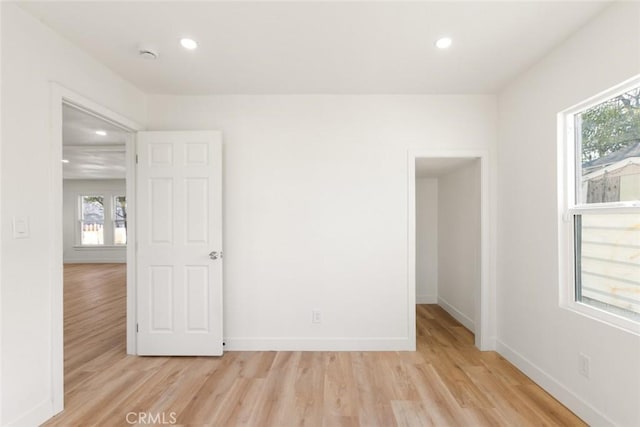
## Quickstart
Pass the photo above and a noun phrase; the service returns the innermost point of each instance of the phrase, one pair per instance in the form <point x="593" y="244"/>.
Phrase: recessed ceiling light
<point x="444" y="43"/>
<point x="188" y="43"/>
<point x="65" y="161"/>
<point x="101" y="132"/>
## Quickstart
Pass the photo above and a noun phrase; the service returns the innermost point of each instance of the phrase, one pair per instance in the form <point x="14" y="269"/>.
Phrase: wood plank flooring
<point x="447" y="382"/>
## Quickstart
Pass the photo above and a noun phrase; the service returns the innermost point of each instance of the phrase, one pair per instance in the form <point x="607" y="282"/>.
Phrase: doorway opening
<point x="93" y="217"/>
<point x="94" y="224"/>
<point x="448" y="239"/>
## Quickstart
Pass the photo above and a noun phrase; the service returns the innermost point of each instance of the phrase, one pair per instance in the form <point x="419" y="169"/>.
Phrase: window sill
<point x="602" y="316"/>
<point x="92" y="247"/>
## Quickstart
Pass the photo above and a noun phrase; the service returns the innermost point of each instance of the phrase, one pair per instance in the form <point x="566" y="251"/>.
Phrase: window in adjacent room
<point x="120" y="220"/>
<point x="91" y="220"/>
<point x="602" y="202"/>
<point x="102" y="219"/>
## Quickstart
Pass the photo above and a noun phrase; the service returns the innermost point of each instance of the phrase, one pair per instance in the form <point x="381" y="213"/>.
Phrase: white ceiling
<point x="435" y="167"/>
<point x="91" y="156"/>
<point x="317" y="47"/>
<point x="79" y="128"/>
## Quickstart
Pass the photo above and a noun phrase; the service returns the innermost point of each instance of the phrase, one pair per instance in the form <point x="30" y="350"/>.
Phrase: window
<point x="92" y="220"/>
<point x="120" y="220"/>
<point x="93" y="229"/>
<point x="602" y="205"/>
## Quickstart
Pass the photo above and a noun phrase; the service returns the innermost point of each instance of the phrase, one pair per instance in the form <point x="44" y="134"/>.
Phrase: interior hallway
<point x="447" y="382"/>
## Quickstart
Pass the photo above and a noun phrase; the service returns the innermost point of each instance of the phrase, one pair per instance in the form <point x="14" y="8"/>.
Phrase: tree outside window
<point x="607" y="205"/>
<point x="92" y="220"/>
<point x="120" y="220"/>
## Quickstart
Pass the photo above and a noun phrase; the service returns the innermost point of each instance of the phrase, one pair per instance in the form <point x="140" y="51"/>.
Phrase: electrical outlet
<point x="316" y="317"/>
<point x="584" y="365"/>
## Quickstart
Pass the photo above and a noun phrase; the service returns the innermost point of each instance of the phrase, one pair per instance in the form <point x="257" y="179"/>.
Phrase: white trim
<point x="56" y="250"/>
<point x="584" y="410"/>
<point x="59" y="96"/>
<point x="605" y="208"/>
<point x="603" y="316"/>
<point x="484" y="322"/>
<point x="94" y="261"/>
<point x="93" y="247"/>
<point x="612" y="92"/>
<point x="319" y="344"/>
<point x="90" y="107"/>
<point x="411" y="250"/>
<point x="427" y="299"/>
<point x="1" y="233"/>
<point x="35" y="416"/>
<point x="565" y="183"/>
<point x="600" y="210"/>
<point x="132" y="261"/>
<point x="466" y="321"/>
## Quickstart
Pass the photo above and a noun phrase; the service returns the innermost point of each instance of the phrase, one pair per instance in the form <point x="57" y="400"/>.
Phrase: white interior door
<point x="179" y="254"/>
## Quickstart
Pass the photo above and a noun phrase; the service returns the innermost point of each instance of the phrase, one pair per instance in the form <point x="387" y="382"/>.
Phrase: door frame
<point x="484" y="321"/>
<point x="60" y="96"/>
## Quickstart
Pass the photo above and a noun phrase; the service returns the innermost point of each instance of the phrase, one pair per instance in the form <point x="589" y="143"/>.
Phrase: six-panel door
<point x="179" y="222"/>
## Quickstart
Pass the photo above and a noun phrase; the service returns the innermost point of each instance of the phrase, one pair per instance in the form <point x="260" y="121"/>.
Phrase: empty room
<point x="320" y="213"/>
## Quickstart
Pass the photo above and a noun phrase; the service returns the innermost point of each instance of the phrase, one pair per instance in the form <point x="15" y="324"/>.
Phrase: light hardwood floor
<point x="447" y="382"/>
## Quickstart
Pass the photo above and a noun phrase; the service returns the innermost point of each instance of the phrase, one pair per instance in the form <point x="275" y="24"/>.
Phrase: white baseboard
<point x="426" y="299"/>
<point x="489" y="345"/>
<point x="95" y="255"/>
<point x="93" y="261"/>
<point x="35" y="416"/>
<point x="588" y="413"/>
<point x="457" y="314"/>
<point x="319" y="344"/>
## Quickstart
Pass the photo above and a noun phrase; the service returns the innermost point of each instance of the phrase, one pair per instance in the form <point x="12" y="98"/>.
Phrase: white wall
<point x="316" y="208"/>
<point x="459" y="242"/>
<point x="426" y="241"/>
<point x="534" y="333"/>
<point x="32" y="57"/>
<point x="73" y="188"/>
<point x="2" y="234"/>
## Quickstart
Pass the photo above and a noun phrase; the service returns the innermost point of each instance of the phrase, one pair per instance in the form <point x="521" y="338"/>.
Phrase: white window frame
<point x="80" y="220"/>
<point x="109" y="222"/>
<point x="568" y="208"/>
<point x="114" y="218"/>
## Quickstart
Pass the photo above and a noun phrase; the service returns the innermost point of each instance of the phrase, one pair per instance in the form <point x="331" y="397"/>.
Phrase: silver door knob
<point x="214" y="255"/>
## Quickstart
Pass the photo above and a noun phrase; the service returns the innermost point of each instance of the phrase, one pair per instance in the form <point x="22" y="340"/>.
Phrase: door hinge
<point x="137" y="328"/>
<point x="136" y="159"/>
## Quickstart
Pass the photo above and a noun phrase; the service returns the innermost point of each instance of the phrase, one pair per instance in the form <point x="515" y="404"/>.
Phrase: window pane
<point x="92" y="220"/>
<point x="608" y="138"/>
<point x="608" y="262"/>
<point x="120" y="224"/>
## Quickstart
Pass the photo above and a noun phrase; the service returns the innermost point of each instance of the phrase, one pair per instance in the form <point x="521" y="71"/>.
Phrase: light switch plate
<point x="20" y="227"/>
